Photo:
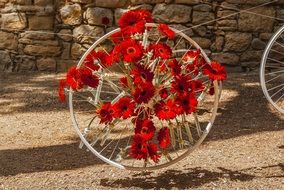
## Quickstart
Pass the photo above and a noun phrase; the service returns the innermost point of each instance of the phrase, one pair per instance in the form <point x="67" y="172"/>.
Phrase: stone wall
<point x="51" y="35"/>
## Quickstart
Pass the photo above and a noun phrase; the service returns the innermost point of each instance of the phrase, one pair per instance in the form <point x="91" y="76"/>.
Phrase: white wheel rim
<point x="263" y="66"/>
<point x="188" y="151"/>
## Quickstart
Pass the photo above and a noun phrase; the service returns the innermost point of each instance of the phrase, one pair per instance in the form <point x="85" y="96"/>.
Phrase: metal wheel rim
<point x="262" y="69"/>
<point x="188" y="151"/>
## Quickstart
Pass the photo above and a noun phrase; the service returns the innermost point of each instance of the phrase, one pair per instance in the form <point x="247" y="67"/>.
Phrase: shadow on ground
<point x="50" y="158"/>
<point x="246" y="113"/>
<point x="187" y="178"/>
<point x="24" y="93"/>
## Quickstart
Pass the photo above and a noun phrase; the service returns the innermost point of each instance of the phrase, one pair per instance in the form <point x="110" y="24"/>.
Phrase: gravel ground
<point x="39" y="148"/>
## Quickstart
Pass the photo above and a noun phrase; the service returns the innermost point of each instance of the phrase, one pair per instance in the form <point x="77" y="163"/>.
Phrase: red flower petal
<point x="73" y="78"/>
<point x="88" y="78"/>
<point x="145" y="15"/>
<point x="142" y="74"/>
<point x="113" y="57"/>
<point x="191" y="56"/>
<point x="105" y="113"/>
<point x="123" y="82"/>
<point x="186" y="104"/>
<point x="131" y="51"/>
<point x="145" y="128"/>
<point x="165" y="110"/>
<point x="61" y="93"/>
<point x="215" y="71"/>
<point x="118" y="37"/>
<point x="139" y="148"/>
<point x="94" y="60"/>
<point x="143" y="92"/>
<point x="197" y="85"/>
<point x="124" y="108"/>
<point x="164" y="93"/>
<point x="161" y="50"/>
<point x="211" y="89"/>
<point x="132" y="22"/>
<point x="152" y="151"/>
<point x="164" y="137"/>
<point x="181" y="84"/>
<point x="175" y="67"/>
<point x="166" y="31"/>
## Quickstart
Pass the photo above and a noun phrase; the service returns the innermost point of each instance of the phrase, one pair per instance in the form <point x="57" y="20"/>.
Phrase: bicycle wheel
<point x="113" y="142"/>
<point x="272" y="71"/>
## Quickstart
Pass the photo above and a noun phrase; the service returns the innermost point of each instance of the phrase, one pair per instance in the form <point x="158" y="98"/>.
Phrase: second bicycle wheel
<point x="272" y="70"/>
<point x="155" y="101"/>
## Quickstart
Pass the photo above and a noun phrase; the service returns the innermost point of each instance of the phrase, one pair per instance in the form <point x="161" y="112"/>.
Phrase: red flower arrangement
<point x="157" y="84"/>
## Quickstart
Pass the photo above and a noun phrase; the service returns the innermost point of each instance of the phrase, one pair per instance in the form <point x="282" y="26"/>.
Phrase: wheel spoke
<point x="275" y="87"/>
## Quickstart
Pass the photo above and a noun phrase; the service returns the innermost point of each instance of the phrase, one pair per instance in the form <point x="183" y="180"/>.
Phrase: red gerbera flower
<point x="164" y="138"/>
<point x="161" y="50"/>
<point x="197" y="85"/>
<point x="152" y="151"/>
<point x="145" y="128"/>
<point x="175" y="67"/>
<point x="164" y="93"/>
<point x="191" y="56"/>
<point x="132" y="22"/>
<point x="145" y="15"/>
<point x="105" y="112"/>
<point x="142" y="74"/>
<point x="181" y="84"/>
<point x="165" y="110"/>
<point x="73" y="78"/>
<point x="143" y="92"/>
<point x="186" y="104"/>
<point x="139" y="148"/>
<point x="124" y="108"/>
<point x="131" y="50"/>
<point x="113" y="57"/>
<point x="88" y="78"/>
<point x="215" y="71"/>
<point x="165" y="30"/>
<point x="93" y="60"/>
<point x="192" y="68"/>
<point x="61" y="93"/>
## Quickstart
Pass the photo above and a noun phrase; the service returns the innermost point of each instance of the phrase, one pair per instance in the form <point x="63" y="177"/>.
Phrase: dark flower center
<point x="181" y="87"/>
<point x="124" y="108"/>
<point x="166" y="109"/>
<point x="132" y="22"/>
<point x="144" y="130"/>
<point x="131" y="50"/>
<point x="161" y="50"/>
<point x="143" y="93"/>
<point x="104" y="113"/>
<point x="185" y="102"/>
<point x="143" y="75"/>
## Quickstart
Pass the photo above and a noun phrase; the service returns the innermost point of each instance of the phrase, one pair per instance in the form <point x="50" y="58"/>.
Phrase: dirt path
<point x="39" y="149"/>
